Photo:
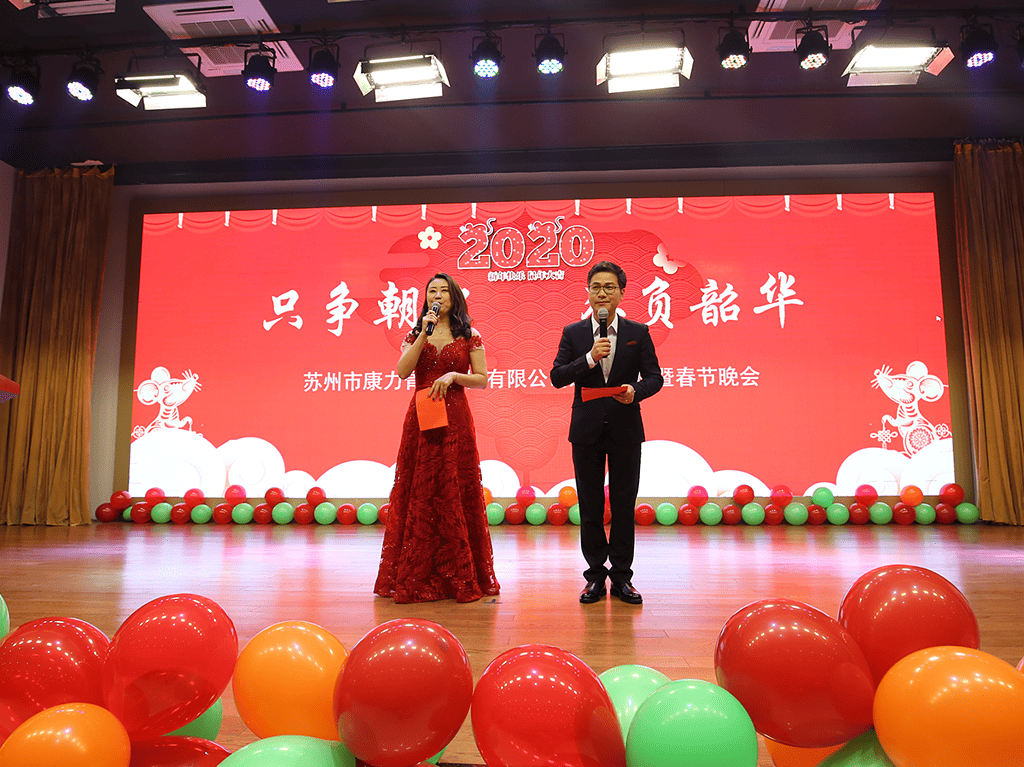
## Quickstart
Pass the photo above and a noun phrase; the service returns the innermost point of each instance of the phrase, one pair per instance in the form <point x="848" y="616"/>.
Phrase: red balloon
<point x="514" y="712"/>
<point x="235" y="494"/>
<point x="181" y="513"/>
<point x="743" y="495"/>
<point x="866" y="494"/>
<point x="558" y="514"/>
<point x="816" y="514"/>
<point x="105" y="512"/>
<point x="781" y="496"/>
<point x="945" y="513"/>
<point x="643" y="514"/>
<point x="903" y="514"/>
<point x="773" y="514"/>
<point x="222" y="513"/>
<point x="525" y="496"/>
<point x="177" y="751"/>
<point x="515" y="514"/>
<point x="274" y="496"/>
<point x="797" y="672"/>
<point x="155" y="495"/>
<point x="315" y="496"/>
<point x="49" y="662"/>
<point x="731" y="514"/>
<point x="384" y="716"/>
<point x="142" y="512"/>
<point x="194" y="497"/>
<point x="382" y="513"/>
<point x="896" y="610"/>
<point x="697" y="495"/>
<point x="304" y="513"/>
<point x="263" y="514"/>
<point x="952" y="494"/>
<point x="348" y="513"/>
<point x="167" y="663"/>
<point x="859" y="514"/>
<point x="689" y="514"/>
<point x="607" y="513"/>
<point x="121" y="500"/>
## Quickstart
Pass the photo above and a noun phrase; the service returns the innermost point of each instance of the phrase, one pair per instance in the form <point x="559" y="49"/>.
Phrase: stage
<point x="692" y="579"/>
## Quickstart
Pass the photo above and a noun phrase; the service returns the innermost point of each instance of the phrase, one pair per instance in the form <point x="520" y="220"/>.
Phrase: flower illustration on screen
<point x="169" y="393"/>
<point x="429" y="238"/>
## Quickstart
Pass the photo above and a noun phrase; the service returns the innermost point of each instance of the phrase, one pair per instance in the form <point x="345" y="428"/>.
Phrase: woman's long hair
<point x="458" y="318"/>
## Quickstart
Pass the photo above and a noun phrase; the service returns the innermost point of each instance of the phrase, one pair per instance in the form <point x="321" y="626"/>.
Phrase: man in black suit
<point x="607" y="427"/>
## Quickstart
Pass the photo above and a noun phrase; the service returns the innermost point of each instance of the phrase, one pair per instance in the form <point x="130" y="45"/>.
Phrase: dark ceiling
<point x="769" y="113"/>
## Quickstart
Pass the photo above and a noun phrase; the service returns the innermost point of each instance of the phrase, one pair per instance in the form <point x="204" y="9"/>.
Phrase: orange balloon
<point x="567" y="496"/>
<point x="911" y="495"/>
<point x="488" y="498"/>
<point x="951" y="706"/>
<point x="284" y="681"/>
<point x="69" y="735"/>
<point x="791" y="756"/>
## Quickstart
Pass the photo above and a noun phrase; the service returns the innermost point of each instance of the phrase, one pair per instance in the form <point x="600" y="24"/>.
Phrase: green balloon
<point x="753" y="513"/>
<point x="574" y="513"/>
<point x="967" y="513"/>
<point x="495" y="514"/>
<point x="292" y="751"/>
<point x="325" y="513"/>
<point x="880" y="513"/>
<point x="710" y="513"/>
<point x="796" y="513"/>
<point x="206" y="725"/>
<point x="823" y="497"/>
<point x="666" y="513"/>
<point x="862" y="751"/>
<point x="366" y="513"/>
<point x="628" y="687"/>
<point x="242" y="513"/>
<point x="283" y="513"/>
<point x="126" y="515"/>
<point x="5" y="619"/>
<point x="924" y="513"/>
<point x="437" y="757"/>
<point x="536" y="514"/>
<point x="201" y="514"/>
<point x="837" y="514"/>
<point x="161" y="513"/>
<point x="691" y="723"/>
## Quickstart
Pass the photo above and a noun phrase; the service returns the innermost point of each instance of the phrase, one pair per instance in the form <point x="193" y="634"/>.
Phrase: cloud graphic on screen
<point x="253" y="463"/>
<point x="175" y="460"/>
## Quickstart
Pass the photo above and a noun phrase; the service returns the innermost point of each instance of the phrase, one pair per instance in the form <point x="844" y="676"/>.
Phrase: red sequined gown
<point x="436" y="543"/>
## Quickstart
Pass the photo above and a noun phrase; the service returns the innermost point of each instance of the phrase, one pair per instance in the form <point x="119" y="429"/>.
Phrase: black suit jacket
<point x="635" y="363"/>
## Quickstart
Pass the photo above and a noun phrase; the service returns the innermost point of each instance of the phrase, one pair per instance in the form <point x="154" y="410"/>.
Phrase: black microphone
<point x="602" y="321"/>
<point x="435" y="308"/>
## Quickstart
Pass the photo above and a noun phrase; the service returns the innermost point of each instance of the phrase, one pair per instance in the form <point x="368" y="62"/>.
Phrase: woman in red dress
<point x="436" y="543"/>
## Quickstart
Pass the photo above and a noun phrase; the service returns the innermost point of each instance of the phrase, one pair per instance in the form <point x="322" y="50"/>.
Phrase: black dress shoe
<point x="626" y="593"/>
<point x="593" y="592"/>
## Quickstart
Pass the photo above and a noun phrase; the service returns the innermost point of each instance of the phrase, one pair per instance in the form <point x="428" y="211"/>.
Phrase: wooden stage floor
<point x="692" y="579"/>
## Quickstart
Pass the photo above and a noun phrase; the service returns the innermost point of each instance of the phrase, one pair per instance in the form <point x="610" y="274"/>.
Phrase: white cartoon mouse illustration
<point x="906" y="390"/>
<point x="170" y="393"/>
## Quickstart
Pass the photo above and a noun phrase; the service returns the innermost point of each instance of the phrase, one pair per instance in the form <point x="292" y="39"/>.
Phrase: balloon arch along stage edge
<point x="895" y="679"/>
<point x="698" y="508"/>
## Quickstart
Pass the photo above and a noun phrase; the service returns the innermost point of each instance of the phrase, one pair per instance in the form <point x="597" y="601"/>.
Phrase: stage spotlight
<point x="23" y="87"/>
<point x="323" y="66"/>
<point x="84" y="80"/>
<point x="977" y="44"/>
<point x="640" y="67"/>
<point x="487" y="57"/>
<point x="259" y="68"/>
<point x="734" y="48"/>
<point x="550" y="55"/>
<point x="403" y="77"/>
<point x="892" y="61"/>
<point x="813" y="47"/>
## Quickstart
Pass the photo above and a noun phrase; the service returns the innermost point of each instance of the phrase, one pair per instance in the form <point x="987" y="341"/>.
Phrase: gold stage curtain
<point x="989" y="200"/>
<point x="51" y="303"/>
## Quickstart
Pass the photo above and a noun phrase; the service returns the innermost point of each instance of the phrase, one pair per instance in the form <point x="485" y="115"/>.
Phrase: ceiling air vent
<point x="239" y="18"/>
<point x="57" y="8"/>
<point x="781" y="35"/>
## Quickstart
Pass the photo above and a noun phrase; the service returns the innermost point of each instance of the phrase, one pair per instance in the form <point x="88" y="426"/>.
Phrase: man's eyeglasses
<point x="609" y="289"/>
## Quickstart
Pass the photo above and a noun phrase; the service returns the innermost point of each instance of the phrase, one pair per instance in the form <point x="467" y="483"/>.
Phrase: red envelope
<point x="590" y="392"/>
<point x="432" y="413"/>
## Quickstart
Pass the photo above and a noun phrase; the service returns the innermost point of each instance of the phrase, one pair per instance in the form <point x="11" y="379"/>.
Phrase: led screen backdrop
<point x="801" y="339"/>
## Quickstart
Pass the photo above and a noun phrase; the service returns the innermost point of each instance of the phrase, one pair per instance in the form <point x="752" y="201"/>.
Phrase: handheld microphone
<point x="602" y="321"/>
<point x="435" y="308"/>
